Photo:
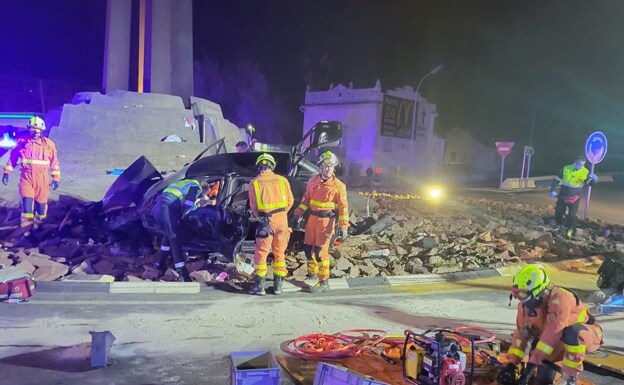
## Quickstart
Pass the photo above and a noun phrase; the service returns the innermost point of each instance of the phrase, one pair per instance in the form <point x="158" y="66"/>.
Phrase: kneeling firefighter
<point x="170" y="207"/>
<point x="559" y="322"/>
<point x="325" y="198"/>
<point x="270" y="199"/>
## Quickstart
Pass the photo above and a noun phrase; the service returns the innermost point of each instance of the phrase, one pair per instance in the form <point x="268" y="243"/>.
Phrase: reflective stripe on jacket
<point x="269" y="191"/>
<point x="326" y="195"/>
<point x="186" y="190"/>
<point x="37" y="156"/>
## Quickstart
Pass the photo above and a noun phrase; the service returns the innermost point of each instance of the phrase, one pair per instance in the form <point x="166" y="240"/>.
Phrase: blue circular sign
<point x="596" y="147"/>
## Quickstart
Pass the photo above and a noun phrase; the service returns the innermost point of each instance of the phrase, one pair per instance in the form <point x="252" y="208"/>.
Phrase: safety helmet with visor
<point x="327" y="161"/>
<point x="529" y="283"/>
<point x="328" y="158"/>
<point x="36" y="123"/>
<point x="266" y="161"/>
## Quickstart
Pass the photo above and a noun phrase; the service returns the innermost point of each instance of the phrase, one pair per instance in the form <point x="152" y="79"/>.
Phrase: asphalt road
<point x="173" y="339"/>
<point x="606" y="202"/>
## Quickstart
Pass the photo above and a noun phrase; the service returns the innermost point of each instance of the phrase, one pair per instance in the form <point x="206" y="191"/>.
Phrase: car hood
<point x="129" y="188"/>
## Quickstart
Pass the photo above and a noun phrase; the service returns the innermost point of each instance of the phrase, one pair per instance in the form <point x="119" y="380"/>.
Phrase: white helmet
<point x="36" y="123"/>
<point x="328" y="157"/>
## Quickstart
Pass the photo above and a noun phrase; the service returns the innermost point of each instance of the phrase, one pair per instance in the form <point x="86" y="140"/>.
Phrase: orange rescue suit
<point x="324" y="200"/>
<point x="270" y="198"/>
<point x="565" y="328"/>
<point x="38" y="157"/>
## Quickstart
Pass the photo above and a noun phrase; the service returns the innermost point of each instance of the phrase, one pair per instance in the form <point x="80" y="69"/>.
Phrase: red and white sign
<point x="504" y="148"/>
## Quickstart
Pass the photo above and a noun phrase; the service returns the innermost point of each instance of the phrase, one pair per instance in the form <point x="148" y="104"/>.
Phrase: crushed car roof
<point x="243" y="164"/>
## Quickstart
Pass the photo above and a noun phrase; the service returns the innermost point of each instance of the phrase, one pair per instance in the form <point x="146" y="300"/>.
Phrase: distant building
<point x="467" y="158"/>
<point x="378" y="127"/>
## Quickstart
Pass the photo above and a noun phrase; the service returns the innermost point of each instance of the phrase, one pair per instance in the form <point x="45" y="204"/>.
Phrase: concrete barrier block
<point x="177" y="287"/>
<point x="145" y="287"/>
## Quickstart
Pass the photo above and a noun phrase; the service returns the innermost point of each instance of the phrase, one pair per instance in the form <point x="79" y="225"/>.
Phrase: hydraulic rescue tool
<point x="437" y="359"/>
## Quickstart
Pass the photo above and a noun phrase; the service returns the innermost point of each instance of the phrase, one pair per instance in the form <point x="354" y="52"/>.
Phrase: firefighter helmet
<point x="531" y="280"/>
<point x="328" y="157"/>
<point x="36" y="123"/>
<point x="266" y="160"/>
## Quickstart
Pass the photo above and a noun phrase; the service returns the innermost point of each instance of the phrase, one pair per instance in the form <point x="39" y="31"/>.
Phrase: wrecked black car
<point x="224" y="226"/>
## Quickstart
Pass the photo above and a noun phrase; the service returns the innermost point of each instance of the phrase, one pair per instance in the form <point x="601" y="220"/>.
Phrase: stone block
<point x="201" y="276"/>
<point x="50" y="272"/>
<point x="26" y="267"/>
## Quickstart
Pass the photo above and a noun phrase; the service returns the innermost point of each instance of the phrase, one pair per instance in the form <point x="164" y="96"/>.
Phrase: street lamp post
<point x="415" y="119"/>
<point x="525" y="178"/>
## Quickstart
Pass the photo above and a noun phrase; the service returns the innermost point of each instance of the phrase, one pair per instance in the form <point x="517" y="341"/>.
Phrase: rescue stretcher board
<point x="606" y="359"/>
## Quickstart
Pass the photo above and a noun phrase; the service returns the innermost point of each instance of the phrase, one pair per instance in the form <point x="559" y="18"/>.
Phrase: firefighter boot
<point x="258" y="286"/>
<point x="183" y="274"/>
<point x="161" y="265"/>
<point x="277" y="285"/>
<point x="320" y="287"/>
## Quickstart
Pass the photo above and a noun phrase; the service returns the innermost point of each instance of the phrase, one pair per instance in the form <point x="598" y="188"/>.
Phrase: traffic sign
<point x="528" y="150"/>
<point x="504" y="148"/>
<point x="596" y="147"/>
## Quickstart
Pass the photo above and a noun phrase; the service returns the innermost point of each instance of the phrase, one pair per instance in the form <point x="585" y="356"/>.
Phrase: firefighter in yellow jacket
<point x="557" y="320"/>
<point x="270" y="199"/>
<point x="325" y="199"/>
<point x="39" y="162"/>
<point x="573" y="178"/>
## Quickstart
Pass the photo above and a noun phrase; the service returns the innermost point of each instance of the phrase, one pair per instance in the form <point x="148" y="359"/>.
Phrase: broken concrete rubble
<point x="412" y="239"/>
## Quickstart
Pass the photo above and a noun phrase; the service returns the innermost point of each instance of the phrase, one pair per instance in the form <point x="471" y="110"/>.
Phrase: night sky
<point x="503" y="59"/>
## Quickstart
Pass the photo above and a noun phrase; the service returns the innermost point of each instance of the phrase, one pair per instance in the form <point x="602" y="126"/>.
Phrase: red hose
<point x="339" y="345"/>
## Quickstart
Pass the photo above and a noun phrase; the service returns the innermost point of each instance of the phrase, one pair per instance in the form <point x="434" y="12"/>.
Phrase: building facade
<point x="377" y="128"/>
<point x="467" y="159"/>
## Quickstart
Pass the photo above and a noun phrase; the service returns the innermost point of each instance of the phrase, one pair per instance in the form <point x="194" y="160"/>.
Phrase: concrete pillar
<point x="116" y="70"/>
<point x="160" y="47"/>
<point x="165" y="46"/>
<point x="171" y="70"/>
<point x="182" y="50"/>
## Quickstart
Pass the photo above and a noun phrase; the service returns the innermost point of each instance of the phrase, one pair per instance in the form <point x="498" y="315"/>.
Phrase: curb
<point x="150" y="287"/>
<point x="505" y="191"/>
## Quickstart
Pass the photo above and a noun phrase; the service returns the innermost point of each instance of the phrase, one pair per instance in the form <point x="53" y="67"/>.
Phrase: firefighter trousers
<point x="318" y="235"/>
<point x="560" y="209"/>
<point x="275" y="243"/>
<point x="168" y="217"/>
<point x="34" y="188"/>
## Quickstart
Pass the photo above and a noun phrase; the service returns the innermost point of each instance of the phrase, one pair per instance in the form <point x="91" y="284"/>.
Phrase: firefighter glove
<point x="344" y="234"/>
<point x="593" y="177"/>
<point x="5" y="179"/>
<point x="507" y="375"/>
<point x="54" y="184"/>
<point x="553" y="194"/>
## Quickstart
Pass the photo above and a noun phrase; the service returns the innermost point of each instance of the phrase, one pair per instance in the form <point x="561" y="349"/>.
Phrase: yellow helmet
<point x="530" y="280"/>
<point x="266" y="160"/>
<point x="36" y="123"/>
<point x="328" y="157"/>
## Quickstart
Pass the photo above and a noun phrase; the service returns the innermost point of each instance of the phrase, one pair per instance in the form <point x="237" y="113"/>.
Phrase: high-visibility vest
<point x="574" y="178"/>
<point x="181" y="188"/>
<point x="268" y="206"/>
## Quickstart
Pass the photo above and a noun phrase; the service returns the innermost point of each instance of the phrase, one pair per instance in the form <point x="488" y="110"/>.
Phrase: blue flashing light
<point x="7" y="142"/>
<point x="16" y="116"/>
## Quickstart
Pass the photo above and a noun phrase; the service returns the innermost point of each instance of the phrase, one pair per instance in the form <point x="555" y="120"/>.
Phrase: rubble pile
<point x="399" y="237"/>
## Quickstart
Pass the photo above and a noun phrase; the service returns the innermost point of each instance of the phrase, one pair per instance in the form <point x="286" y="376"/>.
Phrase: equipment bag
<point x="15" y="285"/>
